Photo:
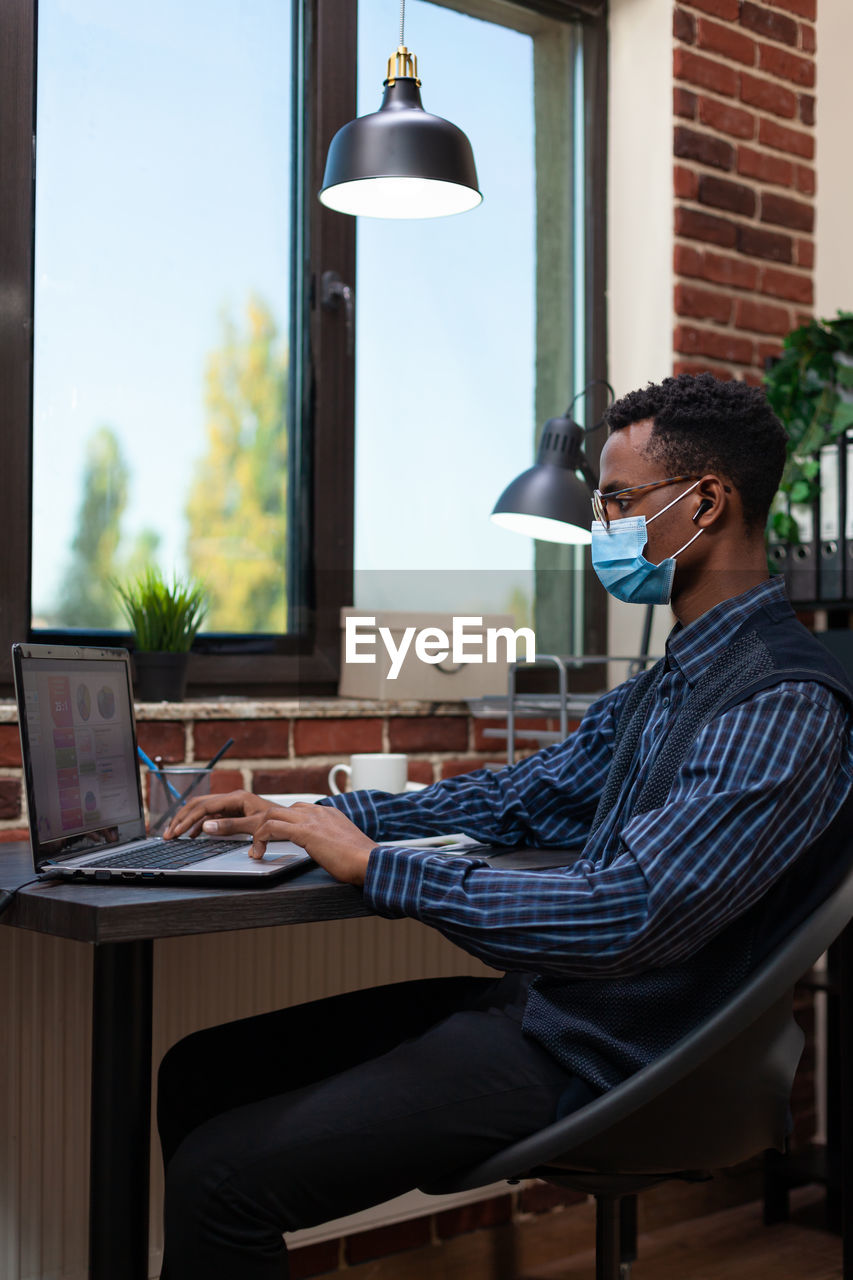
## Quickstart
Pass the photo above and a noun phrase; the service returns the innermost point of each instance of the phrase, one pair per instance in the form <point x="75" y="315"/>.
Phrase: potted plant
<point x="810" y="387"/>
<point x="164" y="618"/>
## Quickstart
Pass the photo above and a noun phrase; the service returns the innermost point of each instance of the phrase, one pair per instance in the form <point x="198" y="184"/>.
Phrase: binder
<point x="848" y="515"/>
<point x="802" y="566"/>
<point x="831" y="558"/>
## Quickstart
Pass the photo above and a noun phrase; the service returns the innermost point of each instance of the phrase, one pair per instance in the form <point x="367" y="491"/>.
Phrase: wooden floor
<point x="730" y="1245"/>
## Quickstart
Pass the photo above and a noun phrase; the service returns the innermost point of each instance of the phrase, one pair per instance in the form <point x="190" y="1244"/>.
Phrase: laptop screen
<point x="78" y="741"/>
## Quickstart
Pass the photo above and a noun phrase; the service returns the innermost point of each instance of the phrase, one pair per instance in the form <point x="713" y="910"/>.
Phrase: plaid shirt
<point x="761" y="781"/>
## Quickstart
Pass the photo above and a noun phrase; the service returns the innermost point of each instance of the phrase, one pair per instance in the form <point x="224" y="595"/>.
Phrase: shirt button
<point x="665" y="700"/>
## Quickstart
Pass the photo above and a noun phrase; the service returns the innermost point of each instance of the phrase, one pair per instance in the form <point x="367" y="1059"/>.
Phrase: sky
<point x="163" y="171"/>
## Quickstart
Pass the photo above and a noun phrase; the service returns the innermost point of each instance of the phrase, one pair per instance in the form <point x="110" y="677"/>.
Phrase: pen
<point x="146" y="759"/>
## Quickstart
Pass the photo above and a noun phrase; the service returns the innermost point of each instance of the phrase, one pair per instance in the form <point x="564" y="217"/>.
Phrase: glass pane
<point x="161" y="305"/>
<point x="446" y="329"/>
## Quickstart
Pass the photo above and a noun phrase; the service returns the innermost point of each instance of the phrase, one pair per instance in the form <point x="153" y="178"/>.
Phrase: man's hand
<point x="325" y="833"/>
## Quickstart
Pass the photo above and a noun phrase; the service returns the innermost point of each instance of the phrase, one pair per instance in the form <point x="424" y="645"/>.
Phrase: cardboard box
<point x="393" y="655"/>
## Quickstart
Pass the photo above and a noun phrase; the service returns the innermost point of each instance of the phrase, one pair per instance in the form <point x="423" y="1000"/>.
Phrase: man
<point x="691" y="795"/>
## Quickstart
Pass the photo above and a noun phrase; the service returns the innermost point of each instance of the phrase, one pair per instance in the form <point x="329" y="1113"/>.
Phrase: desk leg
<point x="121" y="1110"/>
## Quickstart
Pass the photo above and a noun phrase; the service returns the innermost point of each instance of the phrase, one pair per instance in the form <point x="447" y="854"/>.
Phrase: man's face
<point x="624" y="465"/>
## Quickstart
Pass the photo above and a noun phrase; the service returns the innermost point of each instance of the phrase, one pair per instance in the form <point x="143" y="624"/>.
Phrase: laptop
<point x="78" y="741"/>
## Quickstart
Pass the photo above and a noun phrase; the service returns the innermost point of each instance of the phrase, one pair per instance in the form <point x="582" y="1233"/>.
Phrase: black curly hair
<point x="702" y="424"/>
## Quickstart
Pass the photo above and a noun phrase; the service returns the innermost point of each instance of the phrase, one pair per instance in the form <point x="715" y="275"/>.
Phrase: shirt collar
<point x="693" y="647"/>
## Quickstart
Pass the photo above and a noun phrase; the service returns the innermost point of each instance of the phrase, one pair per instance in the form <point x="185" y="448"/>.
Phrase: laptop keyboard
<point x="168" y="853"/>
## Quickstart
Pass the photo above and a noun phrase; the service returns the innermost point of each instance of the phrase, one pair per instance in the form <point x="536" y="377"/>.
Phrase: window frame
<point x="322" y="391"/>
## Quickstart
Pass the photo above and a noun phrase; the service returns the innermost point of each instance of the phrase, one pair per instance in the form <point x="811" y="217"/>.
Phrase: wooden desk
<point x="121" y="922"/>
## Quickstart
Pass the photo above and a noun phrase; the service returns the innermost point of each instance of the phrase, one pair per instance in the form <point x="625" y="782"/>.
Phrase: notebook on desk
<point x="84" y="798"/>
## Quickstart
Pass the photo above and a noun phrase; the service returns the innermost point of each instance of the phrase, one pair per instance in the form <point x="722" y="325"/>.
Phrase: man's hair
<point x="702" y="424"/>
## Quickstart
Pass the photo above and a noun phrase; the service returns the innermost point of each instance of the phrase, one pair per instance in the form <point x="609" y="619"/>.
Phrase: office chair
<point x="718" y="1096"/>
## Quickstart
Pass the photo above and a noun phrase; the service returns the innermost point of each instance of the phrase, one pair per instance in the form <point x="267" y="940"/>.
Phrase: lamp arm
<point x="587" y="471"/>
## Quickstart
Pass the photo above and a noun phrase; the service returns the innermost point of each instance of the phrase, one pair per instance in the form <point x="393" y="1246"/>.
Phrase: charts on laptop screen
<point x="81" y="744"/>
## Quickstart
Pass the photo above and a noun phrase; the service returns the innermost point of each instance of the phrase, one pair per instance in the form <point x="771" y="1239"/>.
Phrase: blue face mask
<point x="623" y="570"/>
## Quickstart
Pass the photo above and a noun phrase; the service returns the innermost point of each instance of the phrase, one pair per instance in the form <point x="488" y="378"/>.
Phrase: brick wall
<point x="744" y="180"/>
<point x="285" y="746"/>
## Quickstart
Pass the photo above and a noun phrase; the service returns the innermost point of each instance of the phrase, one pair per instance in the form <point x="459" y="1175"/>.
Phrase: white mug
<point x="379" y="771"/>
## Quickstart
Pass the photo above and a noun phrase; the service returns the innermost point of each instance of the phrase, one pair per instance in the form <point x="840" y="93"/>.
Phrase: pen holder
<point x="170" y="788"/>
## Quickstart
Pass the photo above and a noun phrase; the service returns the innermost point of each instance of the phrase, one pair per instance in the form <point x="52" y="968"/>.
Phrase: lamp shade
<point x="400" y="161"/>
<point x="550" y="501"/>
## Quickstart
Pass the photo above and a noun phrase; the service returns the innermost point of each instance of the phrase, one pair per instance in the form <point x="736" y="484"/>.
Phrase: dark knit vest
<point x="603" y="1030"/>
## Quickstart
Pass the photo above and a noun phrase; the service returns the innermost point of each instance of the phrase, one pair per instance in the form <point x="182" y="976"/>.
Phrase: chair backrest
<point x="717" y="1096"/>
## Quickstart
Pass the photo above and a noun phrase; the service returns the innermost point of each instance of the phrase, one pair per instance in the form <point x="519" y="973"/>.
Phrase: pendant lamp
<point x="400" y="161"/>
<point x="551" y="500"/>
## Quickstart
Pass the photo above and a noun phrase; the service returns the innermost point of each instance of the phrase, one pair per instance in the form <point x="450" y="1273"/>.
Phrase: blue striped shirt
<point x="760" y="782"/>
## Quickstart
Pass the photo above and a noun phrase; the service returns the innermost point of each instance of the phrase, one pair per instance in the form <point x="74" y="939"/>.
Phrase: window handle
<point x="333" y="291"/>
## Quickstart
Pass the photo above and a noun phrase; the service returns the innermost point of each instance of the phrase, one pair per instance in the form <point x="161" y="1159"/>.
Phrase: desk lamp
<point x="400" y="161"/>
<point x="550" y="500"/>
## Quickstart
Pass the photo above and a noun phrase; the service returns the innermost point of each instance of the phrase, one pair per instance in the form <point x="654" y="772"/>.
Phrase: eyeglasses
<point x="600" y="500"/>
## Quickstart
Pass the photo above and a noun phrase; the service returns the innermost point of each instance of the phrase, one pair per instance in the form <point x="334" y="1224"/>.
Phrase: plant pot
<point x="160" y="677"/>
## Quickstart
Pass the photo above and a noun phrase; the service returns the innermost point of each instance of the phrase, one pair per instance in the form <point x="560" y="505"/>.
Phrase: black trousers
<point x="296" y="1117"/>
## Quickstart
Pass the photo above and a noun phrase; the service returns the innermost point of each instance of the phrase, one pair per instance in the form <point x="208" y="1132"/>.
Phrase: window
<point x="190" y="397"/>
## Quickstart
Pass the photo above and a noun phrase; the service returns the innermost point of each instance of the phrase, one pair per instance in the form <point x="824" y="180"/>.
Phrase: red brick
<point x="806" y="180"/>
<point x="683" y="25"/>
<point x="728" y="41"/>
<point x="223" y="780"/>
<point x="736" y="272"/>
<point x="781" y="138"/>
<point x="767" y="168"/>
<point x="542" y="1197"/>
<point x="421" y="771"/>
<point x="335" y="737"/>
<point x="253" y="739"/>
<point x="452" y="768"/>
<point x="694" y="225"/>
<point x="787" y="284"/>
<point x="805" y="253"/>
<point x="807" y="108"/>
<point x="781" y="211"/>
<point x="702" y="304"/>
<point x="753" y="379"/>
<point x="720" y="193"/>
<point x="690" y="145"/>
<point x="726" y="118"/>
<point x="10" y="834"/>
<point x="707" y="342"/>
<point x="428" y="733"/>
<point x="166" y="739"/>
<point x="382" y="1241"/>
<point x="10" y="745"/>
<point x="766" y="350"/>
<point x="758" y="243"/>
<point x="725" y="9"/>
<point x="808" y="38"/>
<point x="10" y="798"/>
<point x="789" y="66"/>
<point x="803" y="8"/>
<point x="685" y="181"/>
<point x="701" y="366"/>
<point x="683" y="103"/>
<point x="686" y="261"/>
<point x="313" y="1259"/>
<point x="802" y="317"/>
<point x="764" y="22"/>
<point x="306" y="777"/>
<point x="762" y="317"/>
<point x="473" y="1217"/>
<point x="704" y="73"/>
<point x="768" y="96"/>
